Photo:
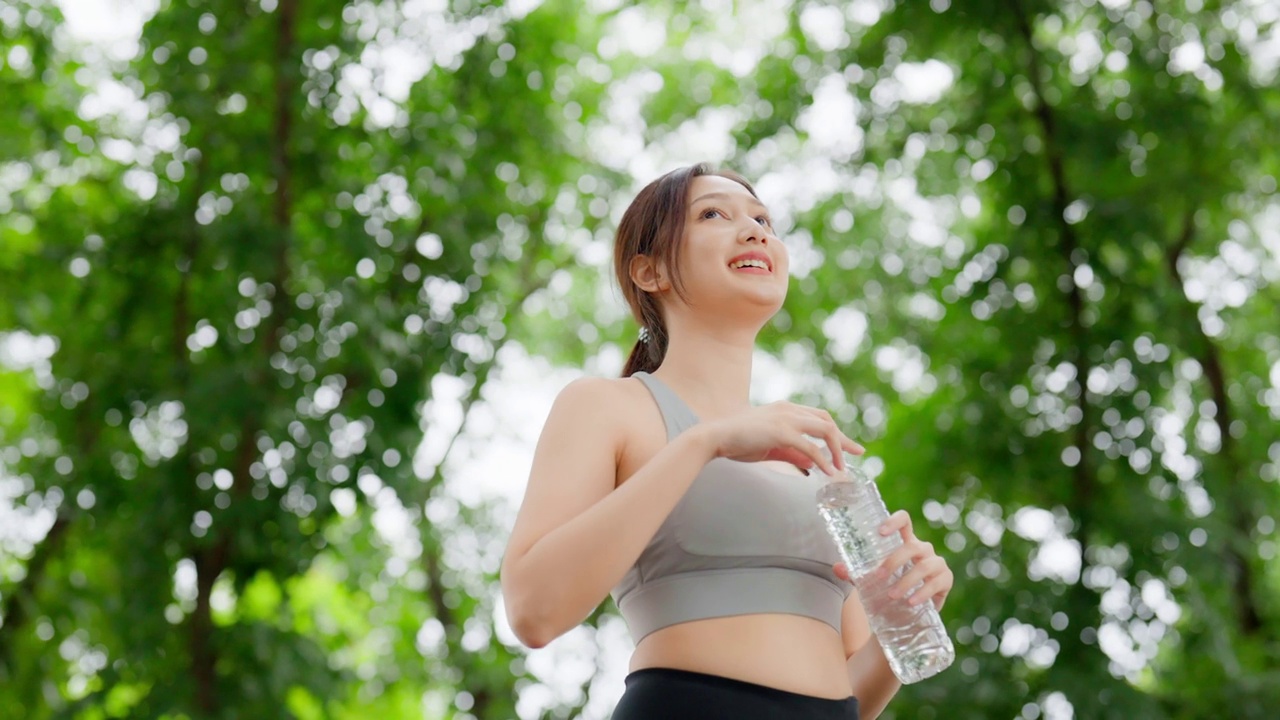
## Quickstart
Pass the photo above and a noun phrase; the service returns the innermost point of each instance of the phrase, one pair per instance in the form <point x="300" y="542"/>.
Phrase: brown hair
<point x="653" y="225"/>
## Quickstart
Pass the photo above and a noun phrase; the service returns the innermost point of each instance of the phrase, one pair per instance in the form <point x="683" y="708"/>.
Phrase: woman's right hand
<point x="778" y="431"/>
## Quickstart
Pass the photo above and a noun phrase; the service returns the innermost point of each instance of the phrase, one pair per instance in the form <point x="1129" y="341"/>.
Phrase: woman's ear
<point x="649" y="274"/>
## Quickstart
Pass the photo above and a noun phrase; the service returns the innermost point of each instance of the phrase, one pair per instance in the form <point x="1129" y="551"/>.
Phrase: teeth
<point x="750" y="263"/>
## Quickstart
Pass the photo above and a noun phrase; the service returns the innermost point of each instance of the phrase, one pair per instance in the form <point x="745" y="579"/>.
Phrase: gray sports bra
<point x="743" y="539"/>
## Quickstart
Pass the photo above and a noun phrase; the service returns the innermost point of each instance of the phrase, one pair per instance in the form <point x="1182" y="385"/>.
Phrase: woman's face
<point x="731" y="263"/>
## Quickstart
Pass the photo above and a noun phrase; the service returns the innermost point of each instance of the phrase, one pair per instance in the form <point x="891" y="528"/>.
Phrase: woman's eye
<point x="707" y="214"/>
<point x="763" y="220"/>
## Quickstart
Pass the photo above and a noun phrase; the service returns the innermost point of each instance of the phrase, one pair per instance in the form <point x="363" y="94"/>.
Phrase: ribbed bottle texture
<point x="913" y="637"/>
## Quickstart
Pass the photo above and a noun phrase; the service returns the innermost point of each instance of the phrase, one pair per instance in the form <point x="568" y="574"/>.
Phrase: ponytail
<point x="649" y="350"/>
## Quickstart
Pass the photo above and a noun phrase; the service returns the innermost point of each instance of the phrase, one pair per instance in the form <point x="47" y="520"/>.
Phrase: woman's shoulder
<point x="607" y="409"/>
<point x="601" y="394"/>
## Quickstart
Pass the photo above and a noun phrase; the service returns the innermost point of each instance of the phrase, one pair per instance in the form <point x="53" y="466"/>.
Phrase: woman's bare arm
<point x="576" y="536"/>
<point x="874" y="683"/>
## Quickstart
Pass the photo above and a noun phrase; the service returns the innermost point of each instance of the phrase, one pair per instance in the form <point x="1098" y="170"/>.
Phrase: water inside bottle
<point x="913" y="638"/>
<point x="853" y="514"/>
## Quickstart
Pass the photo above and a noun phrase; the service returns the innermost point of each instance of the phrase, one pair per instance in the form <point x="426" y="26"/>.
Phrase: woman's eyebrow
<point x="724" y="196"/>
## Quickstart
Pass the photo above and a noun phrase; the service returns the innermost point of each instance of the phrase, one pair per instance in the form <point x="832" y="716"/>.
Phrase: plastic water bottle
<point x="913" y="638"/>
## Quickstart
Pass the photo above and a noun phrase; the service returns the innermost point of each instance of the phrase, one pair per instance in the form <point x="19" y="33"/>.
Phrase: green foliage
<point x="1042" y="292"/>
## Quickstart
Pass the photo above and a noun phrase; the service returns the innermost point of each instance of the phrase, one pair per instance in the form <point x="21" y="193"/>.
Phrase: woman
<point x="668" y="489"/>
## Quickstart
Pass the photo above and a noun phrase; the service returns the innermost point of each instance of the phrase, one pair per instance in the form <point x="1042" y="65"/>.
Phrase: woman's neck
<point x="709" y="367"/>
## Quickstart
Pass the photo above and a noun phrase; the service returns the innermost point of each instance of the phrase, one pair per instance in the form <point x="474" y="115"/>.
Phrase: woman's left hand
<point x="928" y="569"/>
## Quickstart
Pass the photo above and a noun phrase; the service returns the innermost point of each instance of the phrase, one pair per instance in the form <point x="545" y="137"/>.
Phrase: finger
<point x="908" y="553"/>
<point x="815" y="453"/>
<point x="920" y="573"/>
<point x="897" y="522"/>
<point x="813" y="441"/>
<point x="936" y="588"/>
<point x="834" y="446"/>
<point x="837" y="442"/>
<point x="793" y="456"/>
<point x="842" y="571"/>
<point x="833" y="437"/>
<point x="815" y="435"/>
<point x="892" y="563"/>
<point x="928" y="591"/>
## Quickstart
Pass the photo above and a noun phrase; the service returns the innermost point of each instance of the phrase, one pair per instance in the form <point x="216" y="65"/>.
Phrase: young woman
<point x="667" y="489"/>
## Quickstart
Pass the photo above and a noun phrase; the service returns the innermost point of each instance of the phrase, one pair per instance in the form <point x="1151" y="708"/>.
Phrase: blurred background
<point x="287" y="288"/>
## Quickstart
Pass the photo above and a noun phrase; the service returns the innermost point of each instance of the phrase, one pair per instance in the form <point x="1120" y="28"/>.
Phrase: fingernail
<point x="885" y="530"/>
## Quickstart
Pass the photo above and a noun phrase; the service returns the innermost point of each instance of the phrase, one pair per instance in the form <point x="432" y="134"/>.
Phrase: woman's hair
<point x="653" y="225"/>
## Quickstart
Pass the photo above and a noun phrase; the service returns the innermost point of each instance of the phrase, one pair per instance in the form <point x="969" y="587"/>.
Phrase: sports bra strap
<point x="675" y="413"/>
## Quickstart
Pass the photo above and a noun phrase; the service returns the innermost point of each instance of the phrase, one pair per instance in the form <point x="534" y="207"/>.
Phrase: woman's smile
<point x="754" y="263"/>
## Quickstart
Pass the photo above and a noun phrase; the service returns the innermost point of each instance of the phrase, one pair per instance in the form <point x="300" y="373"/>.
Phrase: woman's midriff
<point x="787" y="652"/>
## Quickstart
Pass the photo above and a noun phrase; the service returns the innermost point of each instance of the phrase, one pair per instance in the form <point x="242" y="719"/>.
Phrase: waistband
<point x="818" y="707"/>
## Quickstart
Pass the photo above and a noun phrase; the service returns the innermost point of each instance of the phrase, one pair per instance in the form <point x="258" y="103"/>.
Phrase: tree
<point x="245" y="266"/>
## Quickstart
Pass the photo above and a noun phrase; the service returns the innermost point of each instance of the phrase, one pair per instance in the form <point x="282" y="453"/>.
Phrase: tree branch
<point x="1084" y="481"/>
<point x="212" y="560"/>
<point x="431" y="550"/>
<point x="16" y="602"/>
<point x="1210" y="359"/>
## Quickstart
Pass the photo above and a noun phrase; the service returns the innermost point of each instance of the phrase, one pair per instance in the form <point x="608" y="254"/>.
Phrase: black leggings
<point x="667" y="694"/>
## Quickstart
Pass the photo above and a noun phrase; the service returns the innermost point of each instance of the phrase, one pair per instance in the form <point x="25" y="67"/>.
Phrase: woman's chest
<point x="736" y="509"/>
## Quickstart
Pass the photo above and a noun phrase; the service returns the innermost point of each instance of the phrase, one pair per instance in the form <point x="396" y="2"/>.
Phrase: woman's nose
<point x="754" y="233"/>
